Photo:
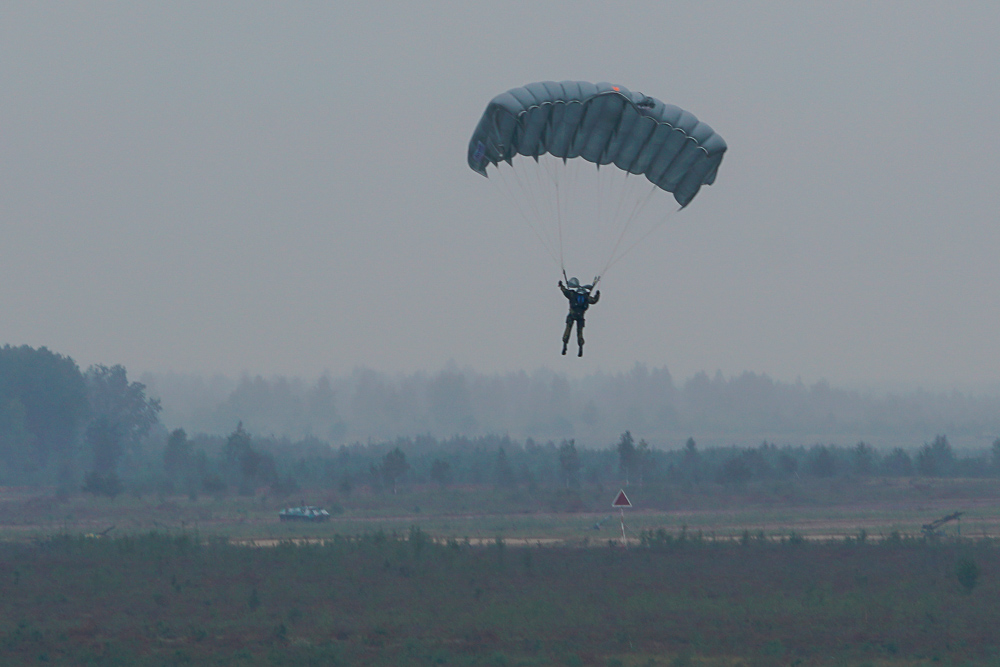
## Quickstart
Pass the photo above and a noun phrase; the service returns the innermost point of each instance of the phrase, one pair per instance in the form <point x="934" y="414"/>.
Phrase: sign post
<point x="621" y="502"/>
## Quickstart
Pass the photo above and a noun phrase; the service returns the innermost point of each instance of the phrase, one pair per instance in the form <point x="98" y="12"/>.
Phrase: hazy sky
<point x="282" y="188"/>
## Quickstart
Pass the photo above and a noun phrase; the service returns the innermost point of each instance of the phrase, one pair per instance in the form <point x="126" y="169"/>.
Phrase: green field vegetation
<point x="403" y="599"/>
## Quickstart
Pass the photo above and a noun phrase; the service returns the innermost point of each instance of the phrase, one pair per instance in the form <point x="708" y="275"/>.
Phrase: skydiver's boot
<point x="580" y="353"/>
<point x="564" y="348"/>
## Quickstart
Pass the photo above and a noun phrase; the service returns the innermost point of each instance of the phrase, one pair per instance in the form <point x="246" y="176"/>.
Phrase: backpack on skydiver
<point x="579" y="300"/>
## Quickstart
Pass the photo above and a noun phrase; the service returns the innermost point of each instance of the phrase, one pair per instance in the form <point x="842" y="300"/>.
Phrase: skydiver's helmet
<point x="573" y="283"/>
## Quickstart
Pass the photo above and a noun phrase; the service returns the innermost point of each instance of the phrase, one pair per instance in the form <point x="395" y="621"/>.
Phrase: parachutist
<point x="562" y="126"/>
<point x="580" y="299"/>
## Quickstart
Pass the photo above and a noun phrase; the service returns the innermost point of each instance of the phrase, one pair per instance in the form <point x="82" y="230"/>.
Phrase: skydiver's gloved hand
<point x="561" y="285"/>
<point x="597" y="294"/>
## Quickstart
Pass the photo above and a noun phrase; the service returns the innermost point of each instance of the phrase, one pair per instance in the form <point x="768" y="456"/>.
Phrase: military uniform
<point x="580" y="299"/>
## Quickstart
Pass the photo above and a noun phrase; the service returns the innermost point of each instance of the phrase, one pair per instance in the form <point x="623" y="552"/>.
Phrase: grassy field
<point x="826" y="575"/>
<point x="379" y="600"/>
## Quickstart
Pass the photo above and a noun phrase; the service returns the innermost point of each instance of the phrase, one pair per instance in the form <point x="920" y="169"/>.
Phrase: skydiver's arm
<point x="594" y="298"/>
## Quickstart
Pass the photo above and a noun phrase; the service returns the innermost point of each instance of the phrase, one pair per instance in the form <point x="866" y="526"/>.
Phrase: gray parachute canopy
<point x="604" y="124"/>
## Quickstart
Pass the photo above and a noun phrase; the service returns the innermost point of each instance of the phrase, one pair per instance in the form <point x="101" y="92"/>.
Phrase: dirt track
<point x="33" y="513"/>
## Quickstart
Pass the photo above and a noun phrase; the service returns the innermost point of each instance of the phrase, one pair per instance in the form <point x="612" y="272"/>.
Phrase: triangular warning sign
<point x="622" y="500"/>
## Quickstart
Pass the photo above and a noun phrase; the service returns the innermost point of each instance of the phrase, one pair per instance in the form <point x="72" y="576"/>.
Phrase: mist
<point x="593" y="410"/>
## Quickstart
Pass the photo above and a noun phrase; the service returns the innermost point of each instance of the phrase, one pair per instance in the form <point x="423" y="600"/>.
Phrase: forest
<point x="98" y="432"/>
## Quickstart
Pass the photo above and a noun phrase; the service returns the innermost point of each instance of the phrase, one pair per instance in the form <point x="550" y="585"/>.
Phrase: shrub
<point x="967" y="573"/>
<point x="107" y="485"/>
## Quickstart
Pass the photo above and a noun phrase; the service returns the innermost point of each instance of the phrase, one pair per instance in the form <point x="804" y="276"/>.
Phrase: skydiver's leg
<point x="579" y="335"/>
<point x="566" y="333"/>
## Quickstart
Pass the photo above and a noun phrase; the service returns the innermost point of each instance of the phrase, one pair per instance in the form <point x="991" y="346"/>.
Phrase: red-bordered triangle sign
<point x="622" y="500"/>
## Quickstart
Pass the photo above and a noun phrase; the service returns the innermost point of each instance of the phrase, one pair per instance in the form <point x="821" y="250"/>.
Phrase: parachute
<point x="603" y="124"/>
<point x="561" y="124"/>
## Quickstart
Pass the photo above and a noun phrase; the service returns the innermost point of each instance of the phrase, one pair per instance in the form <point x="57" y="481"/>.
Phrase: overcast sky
<point x="282" y="188"/>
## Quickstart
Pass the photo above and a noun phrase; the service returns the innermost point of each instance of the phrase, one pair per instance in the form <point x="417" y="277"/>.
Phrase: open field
<point x="751" y="576"/>
<point x="379" y="600"/>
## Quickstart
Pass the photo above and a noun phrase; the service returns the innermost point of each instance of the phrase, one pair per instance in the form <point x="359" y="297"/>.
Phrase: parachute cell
<point x="603" y="124"/>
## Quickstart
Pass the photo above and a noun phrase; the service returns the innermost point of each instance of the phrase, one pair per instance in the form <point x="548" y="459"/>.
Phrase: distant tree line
<point x="56" y="420"/>
<point x="96" y="431"/>
<point x="243" y="464"/>
<point x="594" y="410"/>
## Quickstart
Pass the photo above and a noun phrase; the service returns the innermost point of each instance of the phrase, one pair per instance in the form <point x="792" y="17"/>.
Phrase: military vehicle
<point x="304" y="513"/>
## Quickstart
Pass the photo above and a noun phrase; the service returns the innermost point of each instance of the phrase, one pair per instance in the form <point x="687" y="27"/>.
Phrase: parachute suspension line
<point x="555" y="203"/>
<point x="527" y="193"/>
<point x="551" y="196"/>
<point x="578" y="181"/>
<point x="575" y="177"/>
<point x="506" y="189"/>
<point x="541" y="197"/>
<point x="642" y="238"/>
<point x="618" y="183"/>
<point x="554" y="176"/>
<point x="637" y="209"/>
<point x="605" y="186"/>
<point x="558" y="191"/>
